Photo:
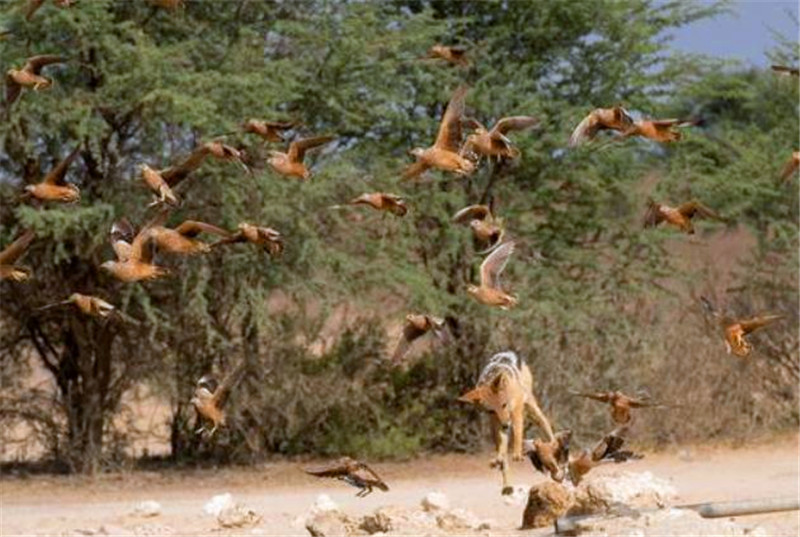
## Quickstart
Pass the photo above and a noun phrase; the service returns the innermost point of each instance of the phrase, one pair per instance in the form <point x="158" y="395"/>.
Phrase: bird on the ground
<point x="267" y="237"/>
<point x="736" y="330"/>
<point x="787" y="71"/>
<point x="210" y="397"/>
<point x="87" y="304"/>
<point x="550" y="456"/>
<point x="382" y="201"/>
<point x="352" y="472"/>
<point x="53" y="187"/>
<point x="680" y="216"/>
<point x="604" y="451"/>
<point x="444" y="153"/>
<point x="416" y="326"/>
<point x="486" y="228"/>
<point x="30" y="76"/>
<point x="494" y="142"/>
<point x="290" y="164"/>
<point x="11" y="254"/>
<point x="268" y="130"/>
<point x="790" y="167"/>
<point x="620" y="404"/>
<point x="489" y="291"/>
<point x="34" y="5"/>
<point x="658" y="130"/>
<point x="599" y="119"/>
<point x="454" y="55"/>
<point x="135" y="257"/>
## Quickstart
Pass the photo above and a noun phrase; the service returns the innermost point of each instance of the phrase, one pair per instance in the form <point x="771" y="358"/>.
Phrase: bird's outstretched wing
<point x="754" y="323"/>
<point x="224" y="389"/>
<point x="603" y="397"/>
<point x="693" y="208"/>
<point x="470" y="213"/>
<point x="15" y="250"/>
<point x="57" y="174"/>
<point x="192" y="228"/>
<point x="298" y="148"/>
<point x="513" y="123"/>
<point x="493" y="266"/>
<point x="449" y="136"/>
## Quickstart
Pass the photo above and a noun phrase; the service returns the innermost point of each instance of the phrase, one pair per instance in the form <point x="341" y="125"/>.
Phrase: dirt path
<point x="282" y="495"/>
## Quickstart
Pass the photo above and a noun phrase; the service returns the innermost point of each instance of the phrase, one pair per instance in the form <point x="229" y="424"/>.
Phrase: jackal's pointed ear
<point x="475" y="395"/>
<point x="499" y="383"/>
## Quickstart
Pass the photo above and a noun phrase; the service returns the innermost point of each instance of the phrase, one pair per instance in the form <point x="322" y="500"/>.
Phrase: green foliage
<point x="601" y="302"/>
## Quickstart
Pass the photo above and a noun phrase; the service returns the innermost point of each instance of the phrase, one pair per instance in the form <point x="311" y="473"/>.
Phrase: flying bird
<point x="606" y="450"/>
<point x="267" y="237"/>
<point x="416" y="326"/>
<point x="268" y="130"/>
<point x="29" y="76"/>
<point x="494" y="142"/>
<point x="161" y="182"/>
<point x="53" y="187"/>
<point x="352" y="472"/>
<point x="210" y="397"/>
<point x="489" y="291"/>
<point x="600" y="119"/>
<point x="454" y="55"/>
<point x="736" y="330"/>
<point x="444" y="154"/>
<point x="659" y="130"/>
<point x="382" y="201"/>
<point x="134" y="259"/>
<point x="12" y="253"/>
<point x="183" y="238"/>
<point x="790" y="167"/>
<point x="486" y="229"/>
<point x="551" y="456"/>
<point x="680" y="216"/>
<point x="620" y="404"/>
<point x="787" y="71"/>
<point x="87" y="304"/>
<point x="290" y="164"/>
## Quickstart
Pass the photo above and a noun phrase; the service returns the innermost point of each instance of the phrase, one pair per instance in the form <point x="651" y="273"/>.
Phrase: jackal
<point x="505" y="388"/>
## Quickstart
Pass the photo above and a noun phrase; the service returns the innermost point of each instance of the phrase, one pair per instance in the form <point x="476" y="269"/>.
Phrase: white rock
<point x="147" y="508"/>
<point x="435" y="501"/>
<point x="218" y="503"/>
<point x="517" y="498"/>
<point x="625" y="487"/>
<point x="238" y="516"/>
<point x="323" y="504"/>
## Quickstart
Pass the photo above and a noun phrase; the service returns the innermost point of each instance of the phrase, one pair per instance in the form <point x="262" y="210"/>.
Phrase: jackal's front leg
<point x="500" y="434"/>
<point x="540" y="418"/>
<point x="518" y="429"/>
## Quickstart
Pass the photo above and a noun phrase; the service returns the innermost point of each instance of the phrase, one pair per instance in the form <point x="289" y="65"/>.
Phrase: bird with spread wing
<point x="736" y="330"/>
<point x="53" y="187"/>
<point x="680" y="216"/>
<point x="210" y="397"/>
<point x="134" y="253"/>
<point x="269" y="238"/>
<point x="489" y="291"/>
<point x="620" y="404"/>
<point x="487" y="230"/>
<point x="606" y="450"/>
<point x="11" y="254"/>
<point x="290" y="164"/>
<point x="494" y="142"/>
<point x="600" y="119"/>
<point x="30" y="76"/>
<point x="416" y="326"/>
<point x="550" y="456"/>
<point x="352" y="472"/>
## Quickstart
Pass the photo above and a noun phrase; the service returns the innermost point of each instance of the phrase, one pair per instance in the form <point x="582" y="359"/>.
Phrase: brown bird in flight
<point x="29" y="76"/>
<point x="550" y="457"/>
<point x="382" y="201"/>
<point x="290" y="164"/>
<point x="489" y="291"/>
<point x="12" y="253"/>
<point x="616" y="118"/>
<point x="268" y="130"/>
<point x="487" y="230"/>
<point x="134" y="257"/>
<point x="161" y="182"/>
<point x="620" y="404"/>
<point x="606" y="450"/>
<point x="787" y="71"/>
<point x="182" y="239"/>
<point x="267" y="237"/>
<point x="454" y="55"/>
<point x="680" y="216"/>
<point x="53" y="187"/>
<point x="210" y="396"/>
<point x="790" y="167"/>
<point x="494" y="142"/>
<point x="86" y="304"/>
<point x="352" y="472"/>
<point x="444" y="154"/>
<point x="659" y="130"/>
<point x="735" y="331"/>
<point x="416" y="326"/>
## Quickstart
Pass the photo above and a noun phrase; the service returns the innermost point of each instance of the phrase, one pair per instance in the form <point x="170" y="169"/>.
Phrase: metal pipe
<point x="570" y="525"/>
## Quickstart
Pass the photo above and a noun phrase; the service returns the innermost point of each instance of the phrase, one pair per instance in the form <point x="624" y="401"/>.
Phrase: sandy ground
<point x="282" y="494"/>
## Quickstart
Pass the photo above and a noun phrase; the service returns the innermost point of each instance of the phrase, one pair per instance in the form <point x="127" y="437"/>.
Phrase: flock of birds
<point x="135" y="249"/>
